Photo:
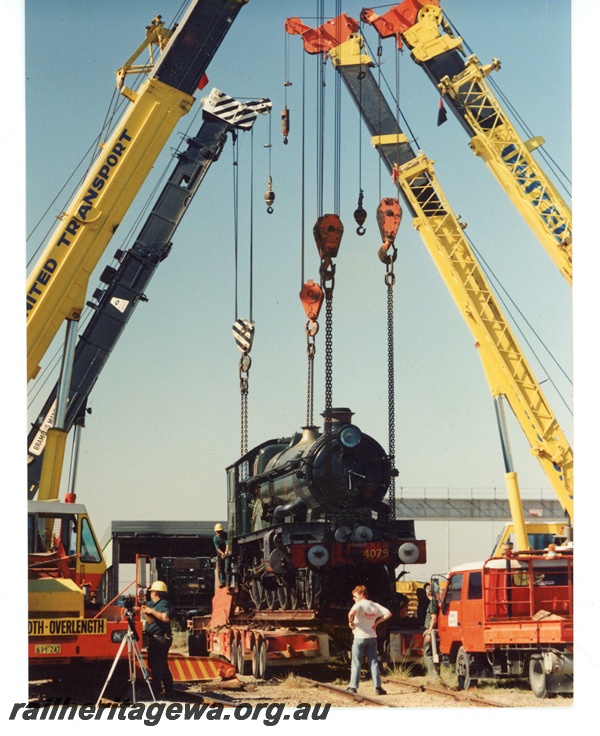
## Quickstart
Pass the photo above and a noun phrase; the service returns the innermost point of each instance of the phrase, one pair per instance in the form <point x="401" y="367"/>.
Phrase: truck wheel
<point x="463" y="670"/>
<point x="233" y="653"/>
<point x="537" y="677"/>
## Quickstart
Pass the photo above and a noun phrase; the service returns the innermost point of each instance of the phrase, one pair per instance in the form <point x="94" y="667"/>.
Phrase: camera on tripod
<point x="128" y="603"/>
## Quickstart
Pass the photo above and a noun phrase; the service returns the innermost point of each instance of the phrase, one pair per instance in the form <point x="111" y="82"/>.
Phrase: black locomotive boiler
<point x="308" y="520"/>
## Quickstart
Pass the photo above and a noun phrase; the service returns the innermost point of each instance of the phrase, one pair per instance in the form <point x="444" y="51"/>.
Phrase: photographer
<point x="158" y="628"/>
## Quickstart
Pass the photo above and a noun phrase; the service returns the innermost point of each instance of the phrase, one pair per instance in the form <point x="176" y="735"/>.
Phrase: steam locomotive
<point x="308" y="521"/>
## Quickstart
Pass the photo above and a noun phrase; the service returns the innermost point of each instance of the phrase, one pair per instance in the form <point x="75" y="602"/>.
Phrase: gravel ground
<point x="403" y="690"/>
<point x="401" y="693"/>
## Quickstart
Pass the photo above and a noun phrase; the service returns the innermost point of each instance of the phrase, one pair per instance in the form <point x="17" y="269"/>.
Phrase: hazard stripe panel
<point x="197" y="669"/>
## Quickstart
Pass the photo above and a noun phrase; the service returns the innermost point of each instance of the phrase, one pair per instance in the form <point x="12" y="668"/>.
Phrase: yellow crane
<point x="66" y="565"/>
<point x="506" y="368"/>
<point x="461" y="80"/>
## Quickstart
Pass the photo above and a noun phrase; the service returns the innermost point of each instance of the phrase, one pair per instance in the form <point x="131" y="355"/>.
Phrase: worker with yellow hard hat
<point x="160" y="638"/>
<point x="223" y="551"/>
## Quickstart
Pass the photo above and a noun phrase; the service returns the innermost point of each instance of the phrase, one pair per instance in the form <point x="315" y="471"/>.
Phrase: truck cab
<point x="511" y="616"/>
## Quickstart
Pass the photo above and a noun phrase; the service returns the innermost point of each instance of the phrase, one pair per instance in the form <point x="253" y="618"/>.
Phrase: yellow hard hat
<point x="159" y="586"/>
<point x="218" y="527"/>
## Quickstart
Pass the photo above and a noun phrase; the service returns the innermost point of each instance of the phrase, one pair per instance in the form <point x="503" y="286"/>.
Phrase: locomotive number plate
<point x="375" y="553"/>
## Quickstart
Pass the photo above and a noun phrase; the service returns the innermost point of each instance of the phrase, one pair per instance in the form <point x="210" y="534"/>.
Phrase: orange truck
<point x="67" y="621"/>
<point x="510" y="617"/>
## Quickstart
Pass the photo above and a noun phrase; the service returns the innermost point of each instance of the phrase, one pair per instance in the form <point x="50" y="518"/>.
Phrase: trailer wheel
<point x="537" y="677"/>
<point x="259" y="659"/>
<point x="197" y="646"/>
<point x="463" y="669"/>
<point x="241" y="664"/>
<point x="192" y="645"/>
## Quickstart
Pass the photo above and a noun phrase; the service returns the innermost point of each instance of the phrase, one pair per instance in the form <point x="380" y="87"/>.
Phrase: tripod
<point x="134" y="655"/>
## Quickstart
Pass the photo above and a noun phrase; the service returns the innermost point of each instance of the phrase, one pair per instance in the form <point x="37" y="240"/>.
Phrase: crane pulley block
<point x="389" y="216"/>
<point x="328" y="231"/>
<point x="311" y="297"/>
<point x="243" y="334"/>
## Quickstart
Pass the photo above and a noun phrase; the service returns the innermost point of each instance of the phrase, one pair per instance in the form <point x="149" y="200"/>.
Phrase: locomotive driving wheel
<point x="270" y="598"/>
<point x="283" y="596"/>
<point x="294" y="596"/>
<point x="258" y="594"/>
<point x="312" y="588"/>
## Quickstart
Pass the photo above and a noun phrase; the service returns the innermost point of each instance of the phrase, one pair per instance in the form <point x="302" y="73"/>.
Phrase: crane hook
<point x="360" y="215"/>
<point x="270" y="196"/>
<point x="285" y="124"/>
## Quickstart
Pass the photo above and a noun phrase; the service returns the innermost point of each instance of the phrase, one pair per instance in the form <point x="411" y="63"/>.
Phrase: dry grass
<point x="293" y="681"/>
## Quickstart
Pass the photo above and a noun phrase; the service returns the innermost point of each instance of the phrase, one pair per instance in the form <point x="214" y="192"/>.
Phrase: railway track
<point x="314" y="690"/>
<point x="445" y="692"/>
<point x="291" y="690"/>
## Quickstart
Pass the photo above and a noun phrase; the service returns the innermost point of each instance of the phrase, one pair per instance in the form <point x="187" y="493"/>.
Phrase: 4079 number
<point x="376" y="553"/>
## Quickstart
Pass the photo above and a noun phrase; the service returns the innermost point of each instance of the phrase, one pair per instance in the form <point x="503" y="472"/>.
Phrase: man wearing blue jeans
<point x="363" y="618"/>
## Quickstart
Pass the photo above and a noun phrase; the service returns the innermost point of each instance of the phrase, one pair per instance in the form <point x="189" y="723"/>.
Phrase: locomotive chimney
<point x="340" y="415"/>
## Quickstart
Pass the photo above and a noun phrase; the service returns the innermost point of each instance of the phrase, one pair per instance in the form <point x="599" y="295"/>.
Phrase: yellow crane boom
<point x="507" y="370"/>
<point x="461" y="80"/>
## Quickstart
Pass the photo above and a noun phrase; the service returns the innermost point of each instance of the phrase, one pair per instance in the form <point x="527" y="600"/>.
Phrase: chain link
<point x="328" y="362"/>
<point x="390" y="280"/>
<point x="311" y="330"/>
<point x="327" y="275"/>
<point x="245" y="364"/>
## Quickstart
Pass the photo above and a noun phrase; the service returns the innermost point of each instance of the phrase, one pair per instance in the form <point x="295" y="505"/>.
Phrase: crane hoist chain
<point x="311" y="349"/>
<point x="390" y="280"/>
<point x="311" y="296"/>
<point x="243" y="333"/>
<point x="328" y="232"/>
<point x="245" y="363"/>
<point x="389" y="216"/>
<point x="328" y="280"/>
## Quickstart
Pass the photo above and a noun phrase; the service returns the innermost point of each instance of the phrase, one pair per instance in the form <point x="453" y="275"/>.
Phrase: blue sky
<point x="165" y="411"/>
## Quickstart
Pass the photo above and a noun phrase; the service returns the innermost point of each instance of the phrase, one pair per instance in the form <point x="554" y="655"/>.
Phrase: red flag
<point x="442" y="116"/>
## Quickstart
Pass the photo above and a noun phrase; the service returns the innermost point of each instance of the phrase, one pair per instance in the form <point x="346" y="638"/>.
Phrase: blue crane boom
<point x="125" y="285"/>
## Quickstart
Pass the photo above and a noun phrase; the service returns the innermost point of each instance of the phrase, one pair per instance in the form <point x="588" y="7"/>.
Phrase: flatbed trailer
<point x="259" y="641"/>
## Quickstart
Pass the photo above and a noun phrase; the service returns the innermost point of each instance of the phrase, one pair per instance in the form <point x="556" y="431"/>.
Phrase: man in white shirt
<point x="363" y="619"/>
